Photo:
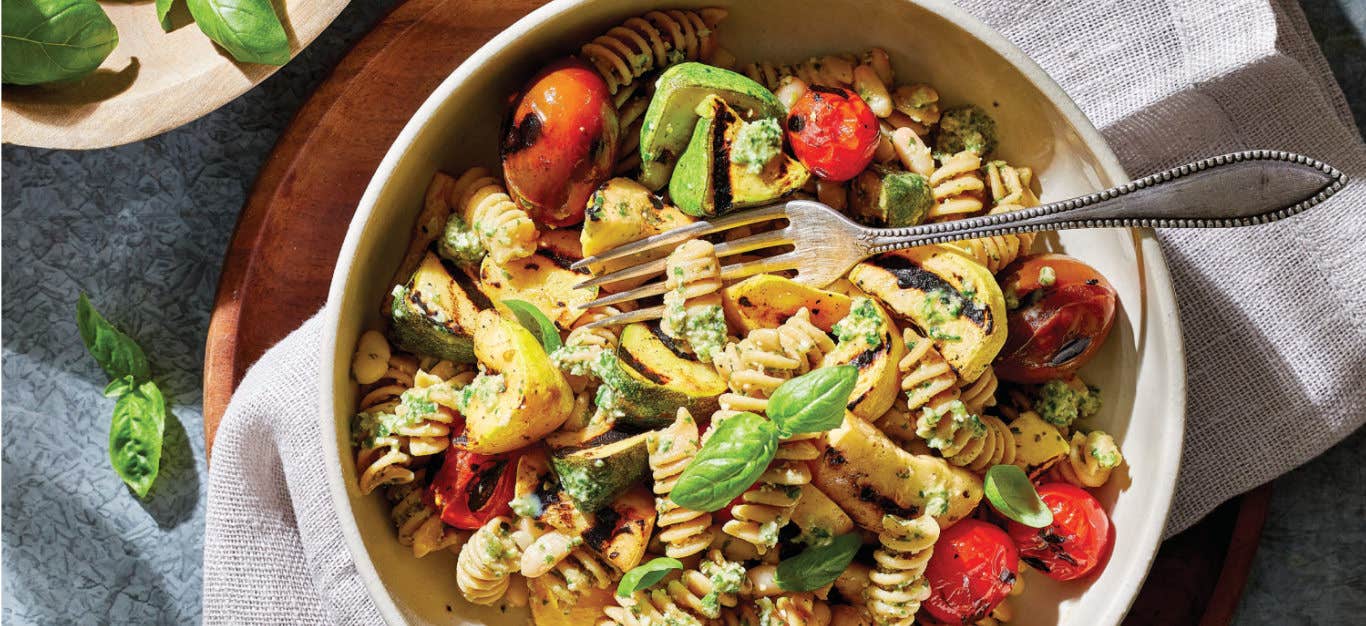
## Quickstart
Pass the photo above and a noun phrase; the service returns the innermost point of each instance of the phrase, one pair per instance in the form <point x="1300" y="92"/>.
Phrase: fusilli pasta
<point x="1089" y="462"/>
<point x="692" y="304"/>
<point x="505" y="230"/>
<point x="650" y="42"/>
<point x="683" y="532"/>
<point x="487" y="561"/>
<point x="958" y="186"/>
<point x="898" y="584"/>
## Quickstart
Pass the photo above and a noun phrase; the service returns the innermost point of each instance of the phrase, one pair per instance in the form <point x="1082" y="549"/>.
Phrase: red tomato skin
<point x="1079" y="303"/>
<point x="832" y="132"/>
<point x="1075" y="544"/>
<point x="560" y="142"/>
<point x="973" y="568"/>
<point x="460" y="473"/>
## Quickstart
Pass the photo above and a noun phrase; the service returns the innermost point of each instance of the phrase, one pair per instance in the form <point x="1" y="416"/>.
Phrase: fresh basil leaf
<point x="1012" y="495"/>
<point x="164" y="14"/>
<point x="248" y="29"/>
<point x="135" y="436"/>
<point x="813" y="402"/>
<point x="535" y="321"/>
<point x="116" y="352"/>
<point x="731" y="460"/>
<point x="49" y="40"/>
<point x="645" y="576"/>
<point x="818" y="566"/>
<point x="119" y="386"/>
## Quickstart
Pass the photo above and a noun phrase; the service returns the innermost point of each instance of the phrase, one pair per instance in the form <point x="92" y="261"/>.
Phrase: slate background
<point x="142" y="228"/>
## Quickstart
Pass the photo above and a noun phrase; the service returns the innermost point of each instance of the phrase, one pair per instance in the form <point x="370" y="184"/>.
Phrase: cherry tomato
<point x="832" y="132"/>
<point x="1074" y="544"/>
<point x="560" y="142"/>
<point x="470" y="488"/>
<point x="972" y="570"/>
<point x="1058" y="326"/>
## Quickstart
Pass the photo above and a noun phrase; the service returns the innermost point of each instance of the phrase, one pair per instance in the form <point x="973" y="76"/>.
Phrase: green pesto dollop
<point x="1060" y="404"/>
<point x="863" y="323"/>
<point x="959" y="417"/>
<point x="459" y="243"/>
<point x="1047" y="276"/>
<point x="757" y="143"/>
<point x="941" y="306"/>
<point x="965" y="128"/>
<point x="481" y="393"/>
<point x="705" y="331"/>
<point x="726" y="578"/>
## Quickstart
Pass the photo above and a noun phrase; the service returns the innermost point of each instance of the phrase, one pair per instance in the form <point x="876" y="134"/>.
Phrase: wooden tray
<point x="152" y="82"/>
<point x="271" y="282"/>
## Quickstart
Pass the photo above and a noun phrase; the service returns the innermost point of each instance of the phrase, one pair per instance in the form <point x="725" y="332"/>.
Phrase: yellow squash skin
<point x="622" y="211"/>
<point x="540" y="280"/>
<point x="765" y="301"/>
<point x="903" y="280"/>
<point x="879" y="382"/>
<point x="537" y="399"/>
<point x="869" y="476"/>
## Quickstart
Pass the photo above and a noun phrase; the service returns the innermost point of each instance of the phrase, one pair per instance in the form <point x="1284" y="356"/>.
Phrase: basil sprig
<point x="732" y="459"/>
<point x="1012" y="495"/>
<point x="50" y="40"/>
<point x="248" y="29"/>
<point x="535" y="321"/>
<point x="813" y="402"/>
<point x="646" y="575"/>
<point x="137" y="430"/>
<point x="818" y="566"/>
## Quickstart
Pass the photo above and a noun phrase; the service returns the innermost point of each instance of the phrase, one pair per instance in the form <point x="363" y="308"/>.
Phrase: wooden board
<point x="152" y="82"/>
<point x="280" y="261"/>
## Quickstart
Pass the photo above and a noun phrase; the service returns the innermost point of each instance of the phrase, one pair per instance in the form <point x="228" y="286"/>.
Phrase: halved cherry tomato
<point x="470" y="489"/>
<point x="832" y="132"/>
<point x="560" y="142"/>
<point x="1057" y="327"/>
<point x="1074" y="544"/>
<point x="972" y="570"/>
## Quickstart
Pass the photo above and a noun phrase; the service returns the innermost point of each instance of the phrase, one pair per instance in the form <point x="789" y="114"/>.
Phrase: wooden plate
<point x="153" y="81"/>
<point x="309" y="188"/>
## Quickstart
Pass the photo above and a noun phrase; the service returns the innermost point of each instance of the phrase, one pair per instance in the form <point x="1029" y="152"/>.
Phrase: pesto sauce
<point x="863" y="323"/>
<point x="1060" y="404"/>
<point x="481" y="393"/>
<point x="726" y="578"/>
<point x="705" y="330"/>
<point x="756" y="144"/>
<point x="459" y="242"/>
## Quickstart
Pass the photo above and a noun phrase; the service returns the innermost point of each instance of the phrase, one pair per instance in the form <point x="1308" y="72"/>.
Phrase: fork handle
<point x="1239" y="189"/>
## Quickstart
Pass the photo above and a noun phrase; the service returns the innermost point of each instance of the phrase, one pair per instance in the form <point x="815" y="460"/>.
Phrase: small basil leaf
<point x="50" y="40"/>
<point x="818" y="566"/>
<point x="116" y="352"/>
<point x="1012" y="495"/>
<point x="535" y="321"/>
<point x="813" y="402"/>
<point x="135" y="436"/>
<point x="164" y="14"/>
<point x="645" y="576"/>
<point x="731" y="460"/>
<point x="119" y="386"/>
<point x="248" y="29"/>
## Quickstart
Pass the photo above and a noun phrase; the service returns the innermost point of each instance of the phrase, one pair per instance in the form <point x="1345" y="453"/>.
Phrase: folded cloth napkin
<point x="1275" y="342"/>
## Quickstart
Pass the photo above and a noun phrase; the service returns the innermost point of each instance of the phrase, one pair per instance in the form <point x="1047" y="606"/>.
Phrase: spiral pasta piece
<point x="630" y="115"/>
<point x="764" y="511"/>
<point x="684" y="532"/>
<point x="383" y="459"/>
<point x="965" y="439"/>
<point x="754" y="366"/>
<point x="1090" y="461"/>
<point x="419" y="525"/>
<point x="570" y="569"/>
<point x="926" y="379"/>
<point x="1010" y="191"/>
<point x="827" y="71"/>
<point x="505" y="230"/>
<point x="425" y="423"/>
<point x="898" y="583"/>
<point x="792" y="609"/>
<point x="487" y="561"/>
<point x="695" y="596"/>
<point x="958" y="186"/>
<point x="692" y="304"/>
<point x="649" y="42"/>
<point x="981" y="393"/>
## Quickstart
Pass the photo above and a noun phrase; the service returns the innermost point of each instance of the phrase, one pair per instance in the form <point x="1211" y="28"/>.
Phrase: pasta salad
<point x="898" y="447"/>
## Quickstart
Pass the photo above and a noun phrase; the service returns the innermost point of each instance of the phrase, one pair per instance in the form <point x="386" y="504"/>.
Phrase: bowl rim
<point x="1151" y="261"/>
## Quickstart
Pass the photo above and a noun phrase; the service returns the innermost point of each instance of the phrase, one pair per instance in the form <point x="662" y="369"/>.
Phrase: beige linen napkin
<point x="1272" y="315"/>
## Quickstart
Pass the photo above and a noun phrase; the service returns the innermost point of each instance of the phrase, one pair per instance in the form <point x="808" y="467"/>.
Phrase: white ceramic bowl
<point x="1140" y="369"/>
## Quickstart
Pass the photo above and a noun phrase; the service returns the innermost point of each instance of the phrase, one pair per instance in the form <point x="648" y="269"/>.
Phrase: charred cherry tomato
<point x="832" y="132"/>
<point x="560" y="142"/>
<point x="972" y="570"/>
<point x="1074" y="544"/>
<point x="1064" y="314"/>
<point x="470" y="489"/>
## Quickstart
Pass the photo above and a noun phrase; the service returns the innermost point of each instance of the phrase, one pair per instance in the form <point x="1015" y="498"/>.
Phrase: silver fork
<point x="1239" y="189"/>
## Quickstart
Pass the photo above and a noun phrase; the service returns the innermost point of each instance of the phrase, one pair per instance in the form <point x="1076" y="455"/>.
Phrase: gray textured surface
<point x="142" y="228"/>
